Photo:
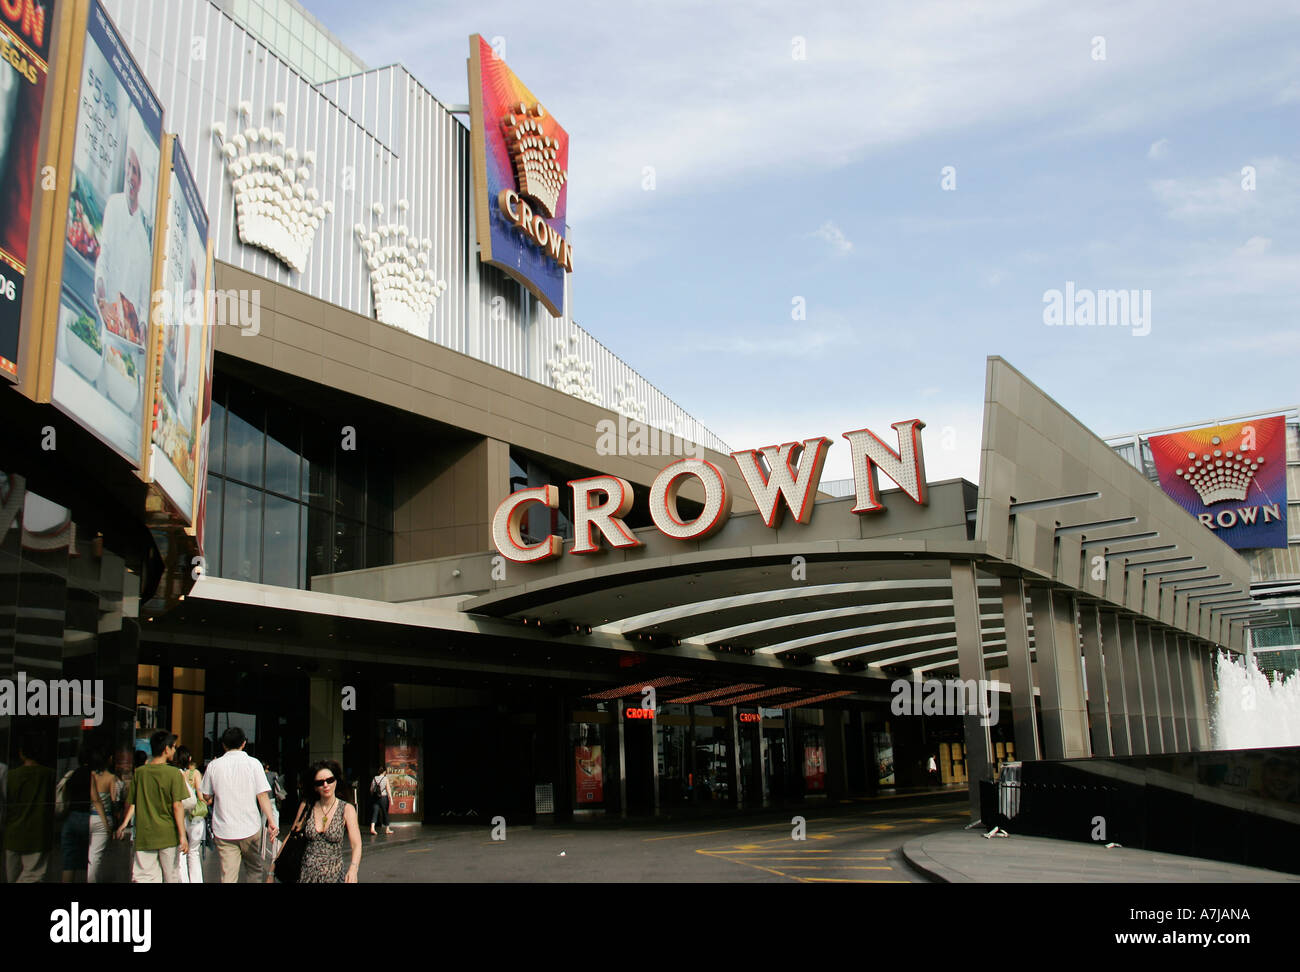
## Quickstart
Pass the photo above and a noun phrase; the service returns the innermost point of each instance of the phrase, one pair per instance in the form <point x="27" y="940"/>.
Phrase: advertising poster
<point x="25" y="30"/>
<point x="205" y="424"/>
<point x="1230" y="477"/>
<point x="814" y="768"/>
<point x="521" y="163"/>
<point x="403" y="764"/>
<point x="590" y="774"/>
<point x="178" y="311"/>
<point x="100" y="368"/>
<point x="884" y="758"/>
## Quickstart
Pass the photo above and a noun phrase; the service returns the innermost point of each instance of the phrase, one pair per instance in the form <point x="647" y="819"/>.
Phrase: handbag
<point x="288" y="863"/>
<point x="200" y="806"/>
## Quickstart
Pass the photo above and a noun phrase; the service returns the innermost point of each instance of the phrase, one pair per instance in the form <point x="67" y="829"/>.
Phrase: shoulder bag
<point x="288" y="863"/>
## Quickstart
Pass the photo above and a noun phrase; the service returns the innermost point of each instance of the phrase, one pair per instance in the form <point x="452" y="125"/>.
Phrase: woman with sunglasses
<point x="328" y="819"/>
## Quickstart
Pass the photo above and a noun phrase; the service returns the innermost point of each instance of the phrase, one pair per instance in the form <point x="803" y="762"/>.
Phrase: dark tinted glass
<point x="241" y="555"/>
<point x="283" y="436"/>
<point x="212" y="528"/>
<point x="244" y="437"/>
<point x="280" y="543"/>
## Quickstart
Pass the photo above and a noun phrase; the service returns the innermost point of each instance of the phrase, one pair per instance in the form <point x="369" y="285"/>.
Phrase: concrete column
<point x="1208" y="661"/>
<point x="1020" y="669"/>
<point x="1116" y="697"/>
<point x="326" y="723"/>
<point x="1098" y="703"/>
<point x="970" y="667"/>
<point x="1201" y="699"/>
<point x="1150" y="688"/>
<point x="1065" y="712"/>
<point x="1133" y="694"/>
<point x="622" y="763"/>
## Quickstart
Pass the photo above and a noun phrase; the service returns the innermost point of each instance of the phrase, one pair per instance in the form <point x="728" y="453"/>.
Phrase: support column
<point x="1198" y="714"/>
<point x="1150" y="688"/>
<point x="1164" y="689"/>
<point x="1098" y="703"/>
<point x="622" y="764"/>
<point x="1133" y="694"/>
<point x="1065" y="713"/>
<point x="1177" y="682"/>
<point x="1023" y="717"/>
<point x="1208" y="662"/>
<point x="1116" y="697"/>
<point x="970" y="667"/>
<point x="326" y="723"/>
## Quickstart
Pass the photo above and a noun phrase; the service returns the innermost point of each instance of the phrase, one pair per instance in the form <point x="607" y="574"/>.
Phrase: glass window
<point x="282" y="461"/>
<point x="350" y="483"/>
<point x="217" y="438"/>
<point x="379" y="493"/>
<point x="242" y="534"/>
<point x="349" y="540"/>
<point x="379" y="547"/>
<point x="320" y="544"/>
<point x="280" y="548"/>
<point x="244" y="437"/>
<point x="212" y="528"/>
<point x="318" y="466"/>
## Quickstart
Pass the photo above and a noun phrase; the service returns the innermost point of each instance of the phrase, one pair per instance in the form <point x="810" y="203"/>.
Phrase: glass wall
<point x="291" y="495"/>
<point x="297" y="37"/>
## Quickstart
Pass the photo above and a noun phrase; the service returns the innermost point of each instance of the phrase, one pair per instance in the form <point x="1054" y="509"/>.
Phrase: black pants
<point x="379" y="812"/>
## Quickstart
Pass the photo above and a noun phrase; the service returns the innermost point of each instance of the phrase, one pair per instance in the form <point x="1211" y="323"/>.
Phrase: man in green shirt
<point x="30" y="831"/>
<point x="154" y="800"/>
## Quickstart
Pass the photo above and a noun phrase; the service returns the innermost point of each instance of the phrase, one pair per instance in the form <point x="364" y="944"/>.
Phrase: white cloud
<point x="1193" y="197"/>
<point x="833" y="235"/>
<point x="1159" y="149"/>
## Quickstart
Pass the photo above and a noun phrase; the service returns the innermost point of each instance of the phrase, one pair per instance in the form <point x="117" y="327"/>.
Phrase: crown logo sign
<point x="1221" y="475"/>
<point x="274" y="207"/>
<point x="534" y="154"/>
<point x="403" y="286"/>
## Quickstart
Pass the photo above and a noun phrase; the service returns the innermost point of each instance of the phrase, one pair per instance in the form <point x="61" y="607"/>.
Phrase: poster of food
<point x="100" y="369"/>
<point x="403" y="764"/>
<point x="589" y="774"/>
<point x="25" y="29"/>
<point x="179" y="320"/>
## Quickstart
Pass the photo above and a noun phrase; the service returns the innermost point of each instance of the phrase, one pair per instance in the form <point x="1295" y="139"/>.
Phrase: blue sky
<point x="779" y="177"/>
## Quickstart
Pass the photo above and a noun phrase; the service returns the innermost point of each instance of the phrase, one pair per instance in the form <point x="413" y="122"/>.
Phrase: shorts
<point x="75" y="841"/>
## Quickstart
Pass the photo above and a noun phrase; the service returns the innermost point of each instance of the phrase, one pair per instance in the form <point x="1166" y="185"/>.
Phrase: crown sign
<point x="404" y="287"/>
<point x="1220" y="476"/>
<point x="534" y="155"/>
<point x="274" y="207"/>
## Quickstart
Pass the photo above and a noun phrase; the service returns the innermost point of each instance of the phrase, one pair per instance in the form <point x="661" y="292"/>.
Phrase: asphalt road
<point x="856" y="842"/>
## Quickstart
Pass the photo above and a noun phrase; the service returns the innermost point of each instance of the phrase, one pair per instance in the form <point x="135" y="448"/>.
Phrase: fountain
<point x="1250" y="712"/>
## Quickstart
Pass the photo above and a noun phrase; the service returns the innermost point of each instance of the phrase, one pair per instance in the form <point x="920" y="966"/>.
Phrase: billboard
<point x="179" y="320"/>
<point x="1230" y="477"/>
<point x="520" y="160"/>
<point x="100" y="367"/>
<point x="25" y="31"/>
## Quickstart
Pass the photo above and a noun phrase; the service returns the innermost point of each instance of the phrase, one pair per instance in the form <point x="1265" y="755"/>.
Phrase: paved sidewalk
<point x="967" y="857"/>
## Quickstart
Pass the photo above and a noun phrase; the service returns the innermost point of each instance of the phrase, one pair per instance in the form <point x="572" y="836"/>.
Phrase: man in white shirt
<point x="236" y="787"/>
<point x="125" y="264"/>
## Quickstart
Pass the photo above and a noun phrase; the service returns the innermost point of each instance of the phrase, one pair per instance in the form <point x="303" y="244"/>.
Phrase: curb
<point x="915" y="855"/>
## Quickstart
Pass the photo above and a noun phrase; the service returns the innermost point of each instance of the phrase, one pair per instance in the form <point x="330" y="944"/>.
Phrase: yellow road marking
<point x="852" y="881"/>
<point x="840" y="867"/>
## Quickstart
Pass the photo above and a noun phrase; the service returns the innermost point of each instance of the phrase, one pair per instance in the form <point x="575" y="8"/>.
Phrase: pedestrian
<point x="29" y="826"/>
<point x="195" y="818"/>
<point x="382" y="792"/>
<point x="72" y="799"/>
<point x="236" y="787"/>
<point x="102" y="780"/>
<point x="155" y="802"/>
<point x="328" y="819"/>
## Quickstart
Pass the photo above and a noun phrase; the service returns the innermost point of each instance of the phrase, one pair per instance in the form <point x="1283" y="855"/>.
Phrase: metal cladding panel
<point x="379" y="137"/>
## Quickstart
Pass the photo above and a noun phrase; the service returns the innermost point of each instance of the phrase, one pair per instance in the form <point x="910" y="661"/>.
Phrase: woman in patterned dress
<point x="328" y="820"/>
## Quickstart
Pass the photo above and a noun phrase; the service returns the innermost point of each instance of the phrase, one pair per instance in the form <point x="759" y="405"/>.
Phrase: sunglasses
<point x="328" y="781"/>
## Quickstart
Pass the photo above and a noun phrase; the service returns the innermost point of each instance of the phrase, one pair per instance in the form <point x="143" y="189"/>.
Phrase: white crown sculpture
<point x="403" y="286"/>
<point x="534" y="154"/>
<point x="274" y="207"/>
<point x="571" y="375"/>
<point x="1221" y="475"/>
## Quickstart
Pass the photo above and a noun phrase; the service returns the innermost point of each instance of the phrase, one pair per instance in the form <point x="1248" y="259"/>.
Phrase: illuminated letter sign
<point x="906" y="467"/>
<point x="520" y="162"/>
<point x="663" y="500"/>
<point x="640" y="713"/>
<point x="507" y="522"/>
<point x="782" y="482"/>
<point x="606" y="517"/>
